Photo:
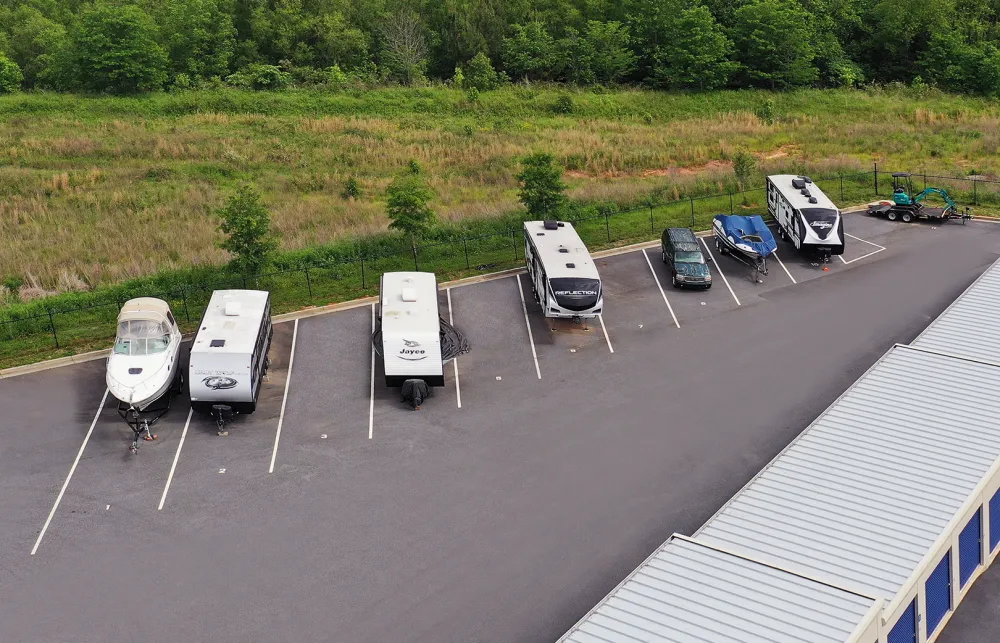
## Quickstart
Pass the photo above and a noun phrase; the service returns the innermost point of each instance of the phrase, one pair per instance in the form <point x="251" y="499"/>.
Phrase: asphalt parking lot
<point x="552" y="462"/>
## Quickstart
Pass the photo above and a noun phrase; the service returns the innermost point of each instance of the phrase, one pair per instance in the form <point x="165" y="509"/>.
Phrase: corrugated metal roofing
<point x="689" y="593"/>
<point x="971" y="325"/>
<point x="860" y="497"/>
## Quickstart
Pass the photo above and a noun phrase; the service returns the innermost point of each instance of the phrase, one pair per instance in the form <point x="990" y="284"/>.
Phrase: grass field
<point x="97" y="190"/>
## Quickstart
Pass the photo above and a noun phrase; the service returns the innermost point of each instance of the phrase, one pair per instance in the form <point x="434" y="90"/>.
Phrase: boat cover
<point x="738" y="227"/>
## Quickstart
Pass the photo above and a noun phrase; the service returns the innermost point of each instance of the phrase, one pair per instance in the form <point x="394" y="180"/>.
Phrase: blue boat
<point x="746" y="239"/>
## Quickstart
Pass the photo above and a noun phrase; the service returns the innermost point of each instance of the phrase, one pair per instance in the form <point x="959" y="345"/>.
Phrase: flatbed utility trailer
<point x="906" y="209"/>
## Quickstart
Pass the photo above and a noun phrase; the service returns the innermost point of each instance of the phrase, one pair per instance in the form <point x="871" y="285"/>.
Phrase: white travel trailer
<point x="229" y="354"/>
<point x="805" y="216"/>
<point x="563" y="277"/>
<point x="409" y="333"/>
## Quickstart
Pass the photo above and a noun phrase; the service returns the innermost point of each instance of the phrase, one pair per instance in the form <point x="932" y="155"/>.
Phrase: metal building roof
<point x="687" y="592"/>
<point x="970" y="327"/>
<point x="862" y="494"/>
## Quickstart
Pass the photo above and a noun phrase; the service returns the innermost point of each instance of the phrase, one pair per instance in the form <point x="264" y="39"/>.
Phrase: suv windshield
<point x="689" y="257"/>
<point x="141" y="337"/>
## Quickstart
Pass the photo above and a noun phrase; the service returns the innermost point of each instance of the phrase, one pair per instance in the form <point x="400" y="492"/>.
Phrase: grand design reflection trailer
<point x="563" y="276"/>
<point x="806" y="217"/>
<point x="229" y="354"/>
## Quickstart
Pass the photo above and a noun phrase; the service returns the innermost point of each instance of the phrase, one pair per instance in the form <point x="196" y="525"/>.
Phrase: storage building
<point x="891" y="494"/>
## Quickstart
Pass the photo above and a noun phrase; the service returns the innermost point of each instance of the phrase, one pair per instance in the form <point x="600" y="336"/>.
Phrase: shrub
<point x="246" y="223"/>
<point x="407" y="207"/>
<point x="563" y="105"/>
<point x="258" y="76"/>
<point x="542" y="190"/>
<point x="351" y="189"/>
<point x="10" y="75"/>
<point x="480" y="74"/>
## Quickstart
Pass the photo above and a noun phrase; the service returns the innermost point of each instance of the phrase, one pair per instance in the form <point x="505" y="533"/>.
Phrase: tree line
<point x="129" y="46"/>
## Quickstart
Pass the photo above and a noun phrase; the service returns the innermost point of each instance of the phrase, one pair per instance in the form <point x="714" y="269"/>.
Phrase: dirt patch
<point x="782" y="152"/>
<point x="690" y="170"/>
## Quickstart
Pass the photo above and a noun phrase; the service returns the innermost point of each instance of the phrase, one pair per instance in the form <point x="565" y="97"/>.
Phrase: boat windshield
<point x="141" y="337"/>
<point x="753" y="237"/>
<point x="690" y="257"/>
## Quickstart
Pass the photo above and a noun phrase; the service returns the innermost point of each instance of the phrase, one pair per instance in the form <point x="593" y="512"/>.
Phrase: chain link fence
<point x="66" y="328"/>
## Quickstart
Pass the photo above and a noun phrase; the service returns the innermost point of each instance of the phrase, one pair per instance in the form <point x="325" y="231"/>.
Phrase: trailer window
<point x="141" y="337"/>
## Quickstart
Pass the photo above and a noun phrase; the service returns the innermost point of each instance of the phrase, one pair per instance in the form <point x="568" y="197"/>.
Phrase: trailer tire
<point x="906" y="217"/>
<point x="721" y="248"/>
<point x="891" y="215"/>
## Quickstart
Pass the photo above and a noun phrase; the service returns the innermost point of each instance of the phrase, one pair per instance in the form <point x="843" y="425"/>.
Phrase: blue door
<point x="995" y="520"/>
<point x="970" y="550"/>
<point x="905" y="629"/>
<point x="938" y="593"/>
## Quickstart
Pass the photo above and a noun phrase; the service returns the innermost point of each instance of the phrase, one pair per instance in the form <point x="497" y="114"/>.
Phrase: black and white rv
<point x="229" y="354"/>
<point x="563" y="277"/>
<point x="806" y="217"/>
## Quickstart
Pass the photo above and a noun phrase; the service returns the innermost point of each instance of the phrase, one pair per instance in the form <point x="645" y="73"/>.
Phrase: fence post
<point x="363" y="287"/>
<point x="876" y="178"/>
<point x="184" y="295"/>
<point x="465" y="242"/>
<point x="975" y="194"/>
<point x="309" y="283"/>
<point x="692" y="210"/>
<point x="607" y="225"/>
<point x="731" y="203"/>
<point x="415" y="265"/>
<point x="652" y="230"/>
<point x="52" y="324"/>
<point x="841" y="188"/>
<point x="513" y="239"/>
<point x="925" y="179"/>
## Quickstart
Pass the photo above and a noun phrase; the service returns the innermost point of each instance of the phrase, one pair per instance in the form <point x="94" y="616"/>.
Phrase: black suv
<point x="682" y="254"/>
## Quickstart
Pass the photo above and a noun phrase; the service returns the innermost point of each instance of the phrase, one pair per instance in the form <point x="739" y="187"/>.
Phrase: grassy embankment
<point x="97" y="191"/>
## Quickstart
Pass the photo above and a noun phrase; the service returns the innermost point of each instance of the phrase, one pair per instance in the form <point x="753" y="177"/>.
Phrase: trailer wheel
<point x="907" y="217"/>
<point x="891" y="215"/>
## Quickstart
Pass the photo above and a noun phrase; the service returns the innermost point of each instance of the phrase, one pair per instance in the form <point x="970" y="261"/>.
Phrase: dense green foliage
<point x="246" y="226"/>
<point x="407" y="199"/>
<point x="124" y="46"/>
<point x="542" y="191"/>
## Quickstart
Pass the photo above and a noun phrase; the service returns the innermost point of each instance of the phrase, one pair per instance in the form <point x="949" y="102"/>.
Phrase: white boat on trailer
<point x="143" y="370"/>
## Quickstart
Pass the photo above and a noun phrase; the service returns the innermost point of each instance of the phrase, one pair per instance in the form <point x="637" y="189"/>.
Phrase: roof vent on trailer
<point x="409" y="294"/>
<point x="813" y="199"/>
<point x="217" y="343"/>
<point x="233" y="308"/>
<point x="798" y="184"/>
<point x="563" y="249"/>
<point x="805" y="193"/>
<point x="806" y="179"/>
<point x="571" y="265"/>
<point x="560" y="224"/>
<point x="550" y="225"/>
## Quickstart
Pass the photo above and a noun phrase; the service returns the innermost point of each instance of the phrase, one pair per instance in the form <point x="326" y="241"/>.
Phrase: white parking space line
<point x="780" y="263"/>
<point x="657" y="280"/>
<point x="458" y="388"/>
<point x="69" y="477"/>
<point x="605" y="329"/>
<point x="531" y="340"/>
<point x="177" y="456"/>
<point x="371" y="398"/>
<point x="880" y="249"/>
<point x="719" y="269"/>
<point x="284" y="398"/>
<point x="864" y="241"/>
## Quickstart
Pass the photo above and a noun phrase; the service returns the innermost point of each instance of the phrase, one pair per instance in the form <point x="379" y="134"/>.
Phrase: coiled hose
<point x="453" y="342"/>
